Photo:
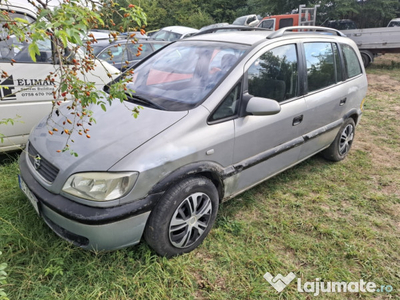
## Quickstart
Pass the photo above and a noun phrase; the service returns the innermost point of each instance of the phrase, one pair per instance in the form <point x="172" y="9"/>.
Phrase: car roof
<point x="231" y="27"/>
<point x="238" y="37"/>
<point x="180" y="29"/>
<point x="254" y="37"/>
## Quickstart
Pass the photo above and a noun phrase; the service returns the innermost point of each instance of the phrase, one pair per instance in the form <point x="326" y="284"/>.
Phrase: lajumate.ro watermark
<point x="318" y="287"/>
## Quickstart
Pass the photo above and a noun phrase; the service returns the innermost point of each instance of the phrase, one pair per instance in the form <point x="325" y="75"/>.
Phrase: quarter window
<point x="274" y="74"/>
<point x="351" y="61"/>
<point x="228" y="106"/>
<point x="320" y="65"/>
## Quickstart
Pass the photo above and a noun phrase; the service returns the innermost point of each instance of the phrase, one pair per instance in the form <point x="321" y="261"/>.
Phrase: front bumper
<point x="92" y="228"/>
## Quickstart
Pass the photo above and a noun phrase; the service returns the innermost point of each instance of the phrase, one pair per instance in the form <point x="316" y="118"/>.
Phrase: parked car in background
<point x="216" y="25"/>
<point x="222" y="113"/>
<point x="174" y="33"/>
<point x="344" y="24"/>
<point x="152" y="32"/>
<point x="137" y="34"/>
<point x="229" y="27"/>
<point x="305" y="16"/>
<point x="123" y="54"/>
<point x="249" y="20"/>
<point x="394" y="23"/>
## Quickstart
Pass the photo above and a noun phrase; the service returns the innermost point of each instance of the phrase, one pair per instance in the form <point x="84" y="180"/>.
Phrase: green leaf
<point x="103" y="107"/>
<point x="21" y="20"/>
<point x="64" y="87"/>
<point x="33" y="50"/>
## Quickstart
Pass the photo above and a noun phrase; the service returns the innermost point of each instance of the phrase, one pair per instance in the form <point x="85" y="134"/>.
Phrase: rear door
<point x="327" y="95"/>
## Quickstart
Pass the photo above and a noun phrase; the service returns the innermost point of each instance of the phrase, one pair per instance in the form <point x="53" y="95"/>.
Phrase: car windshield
<point x="240" y="21"/>
<point x="394" y="24"/>
<point x="164" y="35"/>
<point x="181" y="75"/>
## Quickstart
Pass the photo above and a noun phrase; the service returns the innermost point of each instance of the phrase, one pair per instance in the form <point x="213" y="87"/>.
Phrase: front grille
<point x="42" y="166"/>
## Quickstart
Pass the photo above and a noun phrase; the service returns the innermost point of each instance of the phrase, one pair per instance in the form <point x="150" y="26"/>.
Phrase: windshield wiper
<point x="143" y="100"/>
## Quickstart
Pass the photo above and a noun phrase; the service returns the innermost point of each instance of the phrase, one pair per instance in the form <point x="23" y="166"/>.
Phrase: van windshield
<point x="180" y="76"/>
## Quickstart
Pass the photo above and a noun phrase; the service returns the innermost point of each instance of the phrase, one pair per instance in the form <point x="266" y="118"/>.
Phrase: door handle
<point x="297" y="120"/>
<point x="342" y="101"/>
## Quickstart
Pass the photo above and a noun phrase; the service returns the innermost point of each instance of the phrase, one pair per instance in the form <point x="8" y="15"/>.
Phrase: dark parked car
<point x="344" y="24"/>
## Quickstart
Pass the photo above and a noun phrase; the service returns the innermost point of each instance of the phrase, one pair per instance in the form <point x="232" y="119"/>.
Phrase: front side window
<point x="320" y="65"/>
<point x="269" y="24"/>
<point x="17" y="50"/>
<point x="274" y="74"/>
<point x="181" y="75"/>
<point x="351" y="62"/>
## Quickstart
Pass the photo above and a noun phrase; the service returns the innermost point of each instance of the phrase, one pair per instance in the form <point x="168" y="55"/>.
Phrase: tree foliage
<point x="67" y="26"/>
<point x="161" y="13"/>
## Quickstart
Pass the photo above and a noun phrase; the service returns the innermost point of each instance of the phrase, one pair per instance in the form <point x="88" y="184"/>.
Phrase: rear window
<point x="164" y="35"/>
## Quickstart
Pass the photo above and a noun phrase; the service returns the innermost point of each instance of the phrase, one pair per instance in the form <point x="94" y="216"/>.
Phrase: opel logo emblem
<point x="36" y="162"/>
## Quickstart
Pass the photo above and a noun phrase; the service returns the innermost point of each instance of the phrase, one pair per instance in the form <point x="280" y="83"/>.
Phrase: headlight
<point x="100" y="186"/>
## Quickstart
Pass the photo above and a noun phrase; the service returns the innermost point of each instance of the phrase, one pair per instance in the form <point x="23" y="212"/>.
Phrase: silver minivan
<point x="222" y="113"/>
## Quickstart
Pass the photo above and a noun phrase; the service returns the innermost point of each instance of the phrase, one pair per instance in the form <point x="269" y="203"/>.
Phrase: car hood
<point x="115" y="134"/>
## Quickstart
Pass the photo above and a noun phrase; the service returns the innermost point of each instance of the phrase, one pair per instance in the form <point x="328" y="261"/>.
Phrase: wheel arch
<point x="354" y="114"/>
<point x="210" y="170"/>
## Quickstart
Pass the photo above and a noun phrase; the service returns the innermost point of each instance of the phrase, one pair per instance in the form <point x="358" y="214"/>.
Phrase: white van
<point x="25" y="94"/>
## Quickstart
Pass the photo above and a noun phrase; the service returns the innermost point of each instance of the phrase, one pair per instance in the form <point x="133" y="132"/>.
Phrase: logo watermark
<point x="317" y="286"/>
<point x="279" y="282"/>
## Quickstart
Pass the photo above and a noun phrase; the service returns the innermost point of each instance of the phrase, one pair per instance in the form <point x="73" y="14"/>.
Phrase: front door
<point x="265" y="145"/>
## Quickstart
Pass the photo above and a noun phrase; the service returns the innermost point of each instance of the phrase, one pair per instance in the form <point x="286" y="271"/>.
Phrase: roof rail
<point x="282" y="31"/>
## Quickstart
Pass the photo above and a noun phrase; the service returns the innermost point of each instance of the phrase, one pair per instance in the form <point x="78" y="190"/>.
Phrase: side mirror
<point x="262" y="107"/>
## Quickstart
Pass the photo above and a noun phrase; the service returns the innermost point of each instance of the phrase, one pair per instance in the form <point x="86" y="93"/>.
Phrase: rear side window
<point x="285" y="22"/>
<point x="351" y="62"/>
<point x="320" y="65"/>
<point x="274" y="74"/>
<point x="114" y="54"/>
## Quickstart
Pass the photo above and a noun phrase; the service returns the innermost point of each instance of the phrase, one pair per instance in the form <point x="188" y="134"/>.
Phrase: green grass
<point x="334" y="221"/>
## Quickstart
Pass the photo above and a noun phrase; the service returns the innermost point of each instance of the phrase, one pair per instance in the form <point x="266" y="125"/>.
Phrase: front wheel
<point x="340" y="147"/>
<point x="183" y="217"/>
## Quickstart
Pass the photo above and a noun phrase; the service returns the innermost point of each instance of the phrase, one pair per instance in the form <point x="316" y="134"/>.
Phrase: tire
<point x="366" y="60"/>
<point x="341" y="146"/>
<point x="175" y="226"/>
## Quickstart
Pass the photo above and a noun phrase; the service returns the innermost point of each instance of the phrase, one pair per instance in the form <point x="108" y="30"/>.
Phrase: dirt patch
<point x="387" y="59"/>
<point x="382" y="83"/>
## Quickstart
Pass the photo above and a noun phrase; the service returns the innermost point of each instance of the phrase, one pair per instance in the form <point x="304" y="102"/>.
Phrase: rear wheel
<point x="183" y="217"/>
<point x="340" y="147"/>
<point x="366" y="59"/>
